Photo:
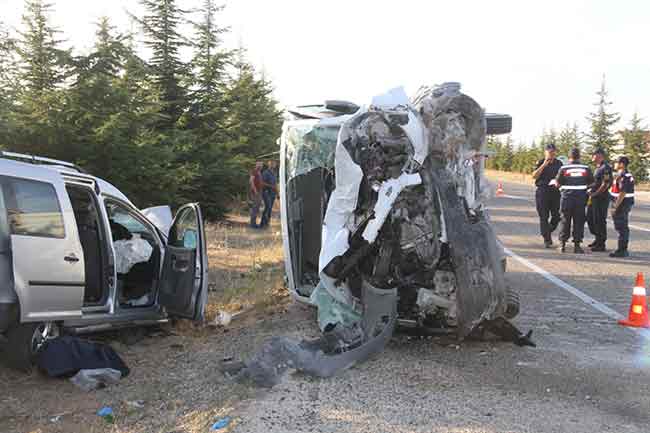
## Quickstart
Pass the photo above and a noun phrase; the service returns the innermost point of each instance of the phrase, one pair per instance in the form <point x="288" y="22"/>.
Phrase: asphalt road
<point x="587" y="373"/>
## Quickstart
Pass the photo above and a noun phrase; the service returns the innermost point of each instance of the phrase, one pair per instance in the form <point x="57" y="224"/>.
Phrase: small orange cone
<point x="638" y="315"/>
<point x="499" y="188"/>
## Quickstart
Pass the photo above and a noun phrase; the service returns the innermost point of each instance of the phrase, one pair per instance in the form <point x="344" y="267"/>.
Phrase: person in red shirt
<point x="255" y="193"/>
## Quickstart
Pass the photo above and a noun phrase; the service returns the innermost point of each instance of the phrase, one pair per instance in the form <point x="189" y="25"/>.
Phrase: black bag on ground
<point x="65" y="356"/>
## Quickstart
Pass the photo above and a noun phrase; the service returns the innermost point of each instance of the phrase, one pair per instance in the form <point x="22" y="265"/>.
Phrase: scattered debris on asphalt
<point x="223" y="318"/>
<point x="66" y="356"/>
<point x="97" y="378"/>
<point x="221" y="423"/>
<point x="106" y="413"/>
<point x="138" y="404"/>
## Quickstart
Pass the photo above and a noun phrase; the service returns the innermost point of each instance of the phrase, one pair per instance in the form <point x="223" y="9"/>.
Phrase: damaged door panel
<point x="400" y="197"/>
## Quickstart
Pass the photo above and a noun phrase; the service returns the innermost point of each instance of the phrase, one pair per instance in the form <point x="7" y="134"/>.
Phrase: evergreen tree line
<point x="163" y="130"/>
<point x="635" y="139"/>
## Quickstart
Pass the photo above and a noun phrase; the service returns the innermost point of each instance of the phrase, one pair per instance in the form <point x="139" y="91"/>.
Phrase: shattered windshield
<point x="309" y="145"/>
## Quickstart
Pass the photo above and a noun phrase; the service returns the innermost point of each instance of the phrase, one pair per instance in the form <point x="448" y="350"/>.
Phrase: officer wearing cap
<point x="547" y="197"/>
<point x="599" y="200"/>
<point x="573" y="180"/>
<point x="622" y="194"/>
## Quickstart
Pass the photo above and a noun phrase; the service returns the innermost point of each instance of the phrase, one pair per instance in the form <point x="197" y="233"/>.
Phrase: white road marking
<point x="643" y="229"/>
<point x="515" y="197"/>
<point x="575" y="292"/>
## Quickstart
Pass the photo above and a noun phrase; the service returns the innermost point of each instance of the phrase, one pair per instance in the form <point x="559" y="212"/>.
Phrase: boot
<point x="562" y="246"/>
<point x="621" y="251"/>
<point x="599" y="247"/>
<point x="577" y="249"/>
<point x="548" y="242"/>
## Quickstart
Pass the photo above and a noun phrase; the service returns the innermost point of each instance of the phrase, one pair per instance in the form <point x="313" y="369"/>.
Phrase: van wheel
<point x="25" y="340"/>
<point x="512" y="304"/>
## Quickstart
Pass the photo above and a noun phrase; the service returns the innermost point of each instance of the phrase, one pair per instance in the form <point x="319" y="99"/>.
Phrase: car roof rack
<point x="40" y="160"/>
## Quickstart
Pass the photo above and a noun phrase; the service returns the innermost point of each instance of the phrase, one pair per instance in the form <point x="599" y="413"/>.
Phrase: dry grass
<point x="246" y="265"/>
<point x="509" y="176"/>
<point x="176" y="372"/>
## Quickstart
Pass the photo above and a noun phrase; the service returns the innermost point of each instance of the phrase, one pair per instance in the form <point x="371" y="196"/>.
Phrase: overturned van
<point x="383" y="214"/>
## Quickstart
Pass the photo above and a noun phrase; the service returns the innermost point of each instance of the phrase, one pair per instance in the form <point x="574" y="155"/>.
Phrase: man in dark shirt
<point x="547" y="197"/>
<point x="622" y="194"/>
<point x="269" y="192"/>
<point x="599" y="200"/>
<point x="573" y="180"/>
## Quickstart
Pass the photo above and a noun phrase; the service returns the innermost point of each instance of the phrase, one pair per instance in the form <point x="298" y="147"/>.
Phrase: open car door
<point x="184" y="279"/>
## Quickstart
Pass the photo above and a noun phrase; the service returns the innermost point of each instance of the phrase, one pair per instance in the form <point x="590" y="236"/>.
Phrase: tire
<point x="512" y="304"/>
<point x="25" y="340"/>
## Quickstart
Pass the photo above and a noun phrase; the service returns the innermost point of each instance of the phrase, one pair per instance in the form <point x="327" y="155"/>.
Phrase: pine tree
<point x="43" y="62"/>
<point x="7" y="84"/>
<point x="161" y="27"/>
<point x="494" y="147"/>
<point x="94" y="97"/>
<point x="602" y="121"/>
<point x="6" y="50"/>
<point x="568" y="138"/>
<point x="160" y="134"/>
<point x="254" y="121"/>
<point x="637" y="148"/>
<point x="508" y="155"/>
<point x="42" y="68"/>
<point x="209" y="62"/>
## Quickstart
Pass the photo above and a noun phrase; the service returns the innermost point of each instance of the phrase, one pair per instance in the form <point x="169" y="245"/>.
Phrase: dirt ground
<point x="175" y="383"/>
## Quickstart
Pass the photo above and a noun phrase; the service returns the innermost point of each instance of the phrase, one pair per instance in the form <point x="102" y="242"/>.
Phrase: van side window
<point x="33" y="208"/>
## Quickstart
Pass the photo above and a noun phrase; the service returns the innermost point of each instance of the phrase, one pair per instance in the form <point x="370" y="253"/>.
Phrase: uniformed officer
<point x="622" y="193"/>
<point x="573" y="180"/>
<point x="547" y="197"/>
<point x="599" y="200"/>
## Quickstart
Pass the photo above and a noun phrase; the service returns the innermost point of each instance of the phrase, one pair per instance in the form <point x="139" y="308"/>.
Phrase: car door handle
<point x="71" y="258"/>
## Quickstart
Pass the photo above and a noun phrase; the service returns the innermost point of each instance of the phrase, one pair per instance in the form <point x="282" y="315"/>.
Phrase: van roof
<point x="67" y="171"/>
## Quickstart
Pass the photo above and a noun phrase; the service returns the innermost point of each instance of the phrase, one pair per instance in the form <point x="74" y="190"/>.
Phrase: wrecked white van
<point x="383" y="208"/>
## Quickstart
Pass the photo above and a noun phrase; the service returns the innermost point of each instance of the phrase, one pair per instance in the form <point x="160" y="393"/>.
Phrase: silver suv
<point x="77" y="255"/>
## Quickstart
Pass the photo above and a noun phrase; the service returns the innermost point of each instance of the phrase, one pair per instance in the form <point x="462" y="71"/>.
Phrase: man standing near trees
<point x="599" y="200"/>
<point x="255" y="193"/>
<point x="573" y="180"/>
<point x="269" y="192"/>
<point x="622" y="193"/>
<point x="547" y="197"/>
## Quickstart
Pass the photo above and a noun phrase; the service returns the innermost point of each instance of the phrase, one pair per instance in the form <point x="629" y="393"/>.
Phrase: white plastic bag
<point x="91" y="379"/>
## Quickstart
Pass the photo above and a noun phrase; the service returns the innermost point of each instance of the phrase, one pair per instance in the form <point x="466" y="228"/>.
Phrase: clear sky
<point x="540" y="61"/>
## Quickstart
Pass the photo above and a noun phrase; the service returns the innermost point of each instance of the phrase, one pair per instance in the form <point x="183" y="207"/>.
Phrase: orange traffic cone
<point x="499" y="188"/>
<point x="638" y="315"/>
